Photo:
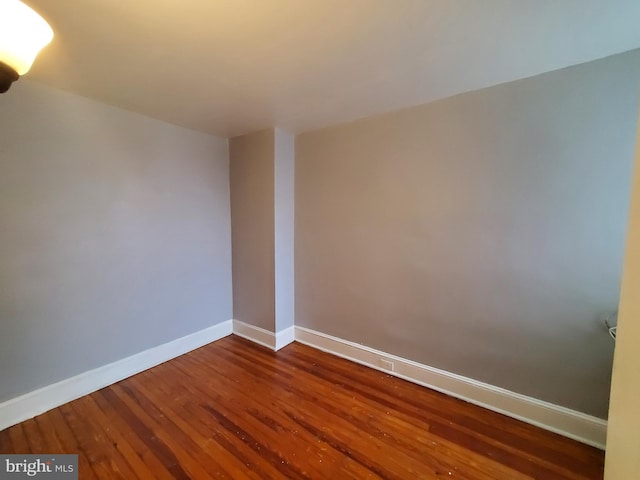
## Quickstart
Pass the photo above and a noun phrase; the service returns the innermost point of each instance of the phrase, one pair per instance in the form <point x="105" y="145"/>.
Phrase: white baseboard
<point x="273" y="341"/>
<point x="255" y="334"/>
<point x="285" y="337"/>
<point x="39" y="401"/>
<point x="567" y="422"/>
<point x="564" y="421"/>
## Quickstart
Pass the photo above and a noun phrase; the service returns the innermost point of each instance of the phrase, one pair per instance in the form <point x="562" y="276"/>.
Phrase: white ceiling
<point x="229" y="67"/>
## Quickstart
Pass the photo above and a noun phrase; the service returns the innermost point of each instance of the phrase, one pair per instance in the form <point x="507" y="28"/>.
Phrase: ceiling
<point x="228" y="67"/>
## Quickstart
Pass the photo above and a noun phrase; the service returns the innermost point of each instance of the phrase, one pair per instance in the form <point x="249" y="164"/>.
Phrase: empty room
<point x="320" y="239"/>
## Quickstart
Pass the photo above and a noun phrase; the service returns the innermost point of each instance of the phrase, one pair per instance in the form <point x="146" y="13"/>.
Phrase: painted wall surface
<point x="252" y="225"/>
<point x="284" y="202"/>
<point x="481" y="234"/>
<point x="114" y="235"/>
<point x="623" y="432"/>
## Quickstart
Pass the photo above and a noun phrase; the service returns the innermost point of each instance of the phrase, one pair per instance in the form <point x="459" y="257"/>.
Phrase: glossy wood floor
<point x="236" y="410"/>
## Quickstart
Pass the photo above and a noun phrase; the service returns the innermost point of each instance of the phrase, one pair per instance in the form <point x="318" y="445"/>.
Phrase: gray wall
<point x="251" y="160"/>
<point x="114" y="235"/>
<point x="262" y="217"/>
<point x="481" y="234"/>
<point x="284" y="202"/>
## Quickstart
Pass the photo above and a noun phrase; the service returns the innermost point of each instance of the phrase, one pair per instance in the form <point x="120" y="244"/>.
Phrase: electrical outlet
<point x="386" y="364"/>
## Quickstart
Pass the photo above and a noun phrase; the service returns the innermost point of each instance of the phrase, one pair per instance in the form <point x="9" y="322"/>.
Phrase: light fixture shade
<point x="23" y="33"/>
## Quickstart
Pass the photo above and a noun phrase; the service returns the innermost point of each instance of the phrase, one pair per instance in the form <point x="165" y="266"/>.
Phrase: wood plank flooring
<point x="236" y="410"/>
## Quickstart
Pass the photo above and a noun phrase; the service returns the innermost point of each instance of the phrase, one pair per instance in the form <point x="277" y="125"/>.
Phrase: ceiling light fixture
<point x="23" y="33"/>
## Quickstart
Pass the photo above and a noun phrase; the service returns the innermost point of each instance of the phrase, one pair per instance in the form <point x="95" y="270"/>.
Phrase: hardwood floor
<point x="236" y="410"/>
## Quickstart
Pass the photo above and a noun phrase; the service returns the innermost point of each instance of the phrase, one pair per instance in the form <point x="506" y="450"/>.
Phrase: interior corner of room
<point x="473" y="245"/>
